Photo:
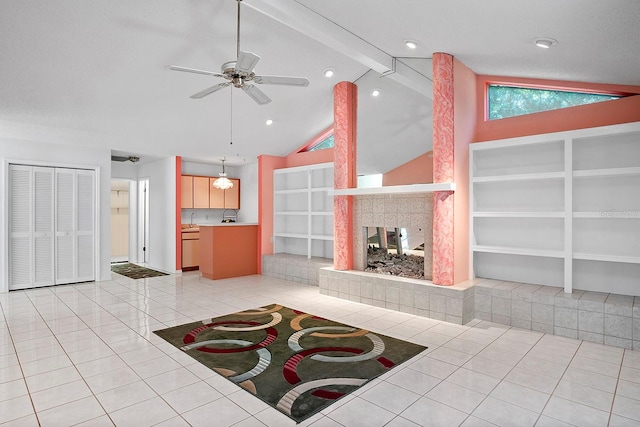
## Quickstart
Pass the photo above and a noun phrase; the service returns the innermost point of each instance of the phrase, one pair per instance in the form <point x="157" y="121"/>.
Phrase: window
<point x="511" y="101"/>
<point x="325" y="143"/>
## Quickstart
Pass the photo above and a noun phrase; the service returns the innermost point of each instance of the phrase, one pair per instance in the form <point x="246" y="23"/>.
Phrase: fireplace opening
<point x="395" y="251"/>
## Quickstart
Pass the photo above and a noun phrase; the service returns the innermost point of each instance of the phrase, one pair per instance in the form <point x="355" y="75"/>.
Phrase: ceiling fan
<point x="239" y="73"/>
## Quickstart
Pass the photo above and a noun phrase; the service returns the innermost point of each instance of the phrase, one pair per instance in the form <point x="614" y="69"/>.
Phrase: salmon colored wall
<point x="464" y="108"/>
<point x="178" y="213"/>
<point x="309" y="158"/>
<point x="416" y="171"/>
<point x="606" y="113"/>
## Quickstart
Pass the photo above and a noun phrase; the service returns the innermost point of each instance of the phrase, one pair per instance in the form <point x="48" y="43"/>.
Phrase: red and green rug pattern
<point x="296" y="362"/>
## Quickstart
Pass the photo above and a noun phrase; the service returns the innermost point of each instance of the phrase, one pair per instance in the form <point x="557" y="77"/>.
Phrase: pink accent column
<point x="443" y="169"/>
<point x="345" y="104"/>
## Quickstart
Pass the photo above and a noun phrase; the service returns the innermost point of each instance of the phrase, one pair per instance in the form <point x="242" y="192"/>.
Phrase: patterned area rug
<point x="135" y="271"/>
<point x="296" y="362"/>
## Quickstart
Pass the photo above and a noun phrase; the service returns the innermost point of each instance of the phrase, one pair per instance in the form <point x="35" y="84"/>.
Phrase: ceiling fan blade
<point x="246" y="62"/>
<point x="256" y="94"/>
<point x="210" y="90"/>
<point x="194" y="70"/>
<point x="281" y="80"/>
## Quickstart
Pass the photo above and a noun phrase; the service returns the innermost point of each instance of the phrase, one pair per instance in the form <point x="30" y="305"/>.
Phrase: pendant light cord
<point x="238" y="32"/>
<point x="231" y="117"/>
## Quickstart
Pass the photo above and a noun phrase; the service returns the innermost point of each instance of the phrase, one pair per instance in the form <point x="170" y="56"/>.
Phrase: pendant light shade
<point x="223" y="183"/>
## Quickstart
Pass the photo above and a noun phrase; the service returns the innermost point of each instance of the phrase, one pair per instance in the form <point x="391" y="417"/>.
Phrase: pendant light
<point x="224" y="183"/>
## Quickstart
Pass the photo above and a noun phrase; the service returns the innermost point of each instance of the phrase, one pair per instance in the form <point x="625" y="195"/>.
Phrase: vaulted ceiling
<point x="94" y="72"/>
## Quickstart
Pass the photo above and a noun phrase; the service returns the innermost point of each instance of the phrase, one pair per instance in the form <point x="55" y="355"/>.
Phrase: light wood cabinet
<point x="198" y="192"/>
<point x="224" y="199"/>
<point x="190" y="250"/>
<point x="201" y="192"/>
<point x="187" y="192"/>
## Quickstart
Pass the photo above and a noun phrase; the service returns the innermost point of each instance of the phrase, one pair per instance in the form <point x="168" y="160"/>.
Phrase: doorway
<point x="143" y="221"/>
<point x="120" y="201"/>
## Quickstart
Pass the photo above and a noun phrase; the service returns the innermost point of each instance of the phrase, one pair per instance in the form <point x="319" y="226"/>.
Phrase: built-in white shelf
<point x="569" y="197"/>
<point x="518" y="214"/>
<point x="294" y="191"/>
<point x="292" y="235"/>
<point x="303" y="210"/>
<point x="607" y="258"/>
<point x="322" y="237"/>
<point x="520" y="177"/>
<point x="609" y="215"/>
<point x="606" y="172"/>
<point x="396" y="189"/>
<point x="518" y="251"/>
<point x="293" y="213"/>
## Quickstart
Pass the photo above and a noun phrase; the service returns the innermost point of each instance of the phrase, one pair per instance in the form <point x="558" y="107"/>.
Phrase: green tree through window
<point x="511" y="101"/>
<point x="325" y="143"/>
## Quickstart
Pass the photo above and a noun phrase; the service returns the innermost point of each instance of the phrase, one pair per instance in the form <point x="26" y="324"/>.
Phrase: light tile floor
<point x="85" y="355"/>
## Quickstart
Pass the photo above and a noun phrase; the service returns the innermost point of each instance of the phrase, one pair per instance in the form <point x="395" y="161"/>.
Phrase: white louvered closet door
<point x="85" y="225"/>
<point x="43" y="232"/>
<point x="75" y="224"/>
<point x="51" y="226"/>
<point x="20" y="227"/>
<point x="31" y="227"/>
<point x="65" y="251"/>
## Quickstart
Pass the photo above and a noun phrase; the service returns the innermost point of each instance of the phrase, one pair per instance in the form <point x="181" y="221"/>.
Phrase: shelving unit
<point x="559" y="209"/>
<point x="303" y="210"/>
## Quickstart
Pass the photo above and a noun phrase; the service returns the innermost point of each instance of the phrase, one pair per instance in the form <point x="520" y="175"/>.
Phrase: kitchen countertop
<point x="227" y="224"/>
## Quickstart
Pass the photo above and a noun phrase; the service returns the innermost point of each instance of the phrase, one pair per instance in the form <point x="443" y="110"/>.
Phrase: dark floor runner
<point x="135" y="271"/>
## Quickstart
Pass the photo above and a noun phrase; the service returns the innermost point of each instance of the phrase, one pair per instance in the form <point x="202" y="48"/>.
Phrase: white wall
<point x="248" y="175"/>
<point x="161" y="247"/>
<point x="50" y="154"/>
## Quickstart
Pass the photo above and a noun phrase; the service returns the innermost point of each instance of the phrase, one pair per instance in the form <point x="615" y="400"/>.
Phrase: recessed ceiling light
<point x="269" y="122"/>
<point x="545" y="42"/>
<point x="375" y="92"/>
<point x="411" y="44"/>
<point x="328" y="72"/>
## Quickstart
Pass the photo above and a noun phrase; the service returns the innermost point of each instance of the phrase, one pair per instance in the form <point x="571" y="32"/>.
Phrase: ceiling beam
<point x="321" y="29"/>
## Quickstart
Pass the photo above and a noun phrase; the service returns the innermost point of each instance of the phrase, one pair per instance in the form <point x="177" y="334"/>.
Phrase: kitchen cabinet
<point x="190" y="250"/>
<point x="186" y="201"/>
<point x="201" y="192"/>
<point x="228" y="250"/>
<point x="198" y="193"/>
<point x="224" y="199"/>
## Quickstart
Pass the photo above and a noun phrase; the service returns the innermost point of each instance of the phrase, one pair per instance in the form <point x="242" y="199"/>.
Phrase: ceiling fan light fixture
<point x="328" y="72"/>
<point x="545" y="42"/>
<point x="411" y="44"/>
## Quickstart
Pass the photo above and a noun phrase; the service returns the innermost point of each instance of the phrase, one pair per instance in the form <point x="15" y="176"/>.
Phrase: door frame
<point x="143" y="220"/>
<point x="4" y="212"/>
